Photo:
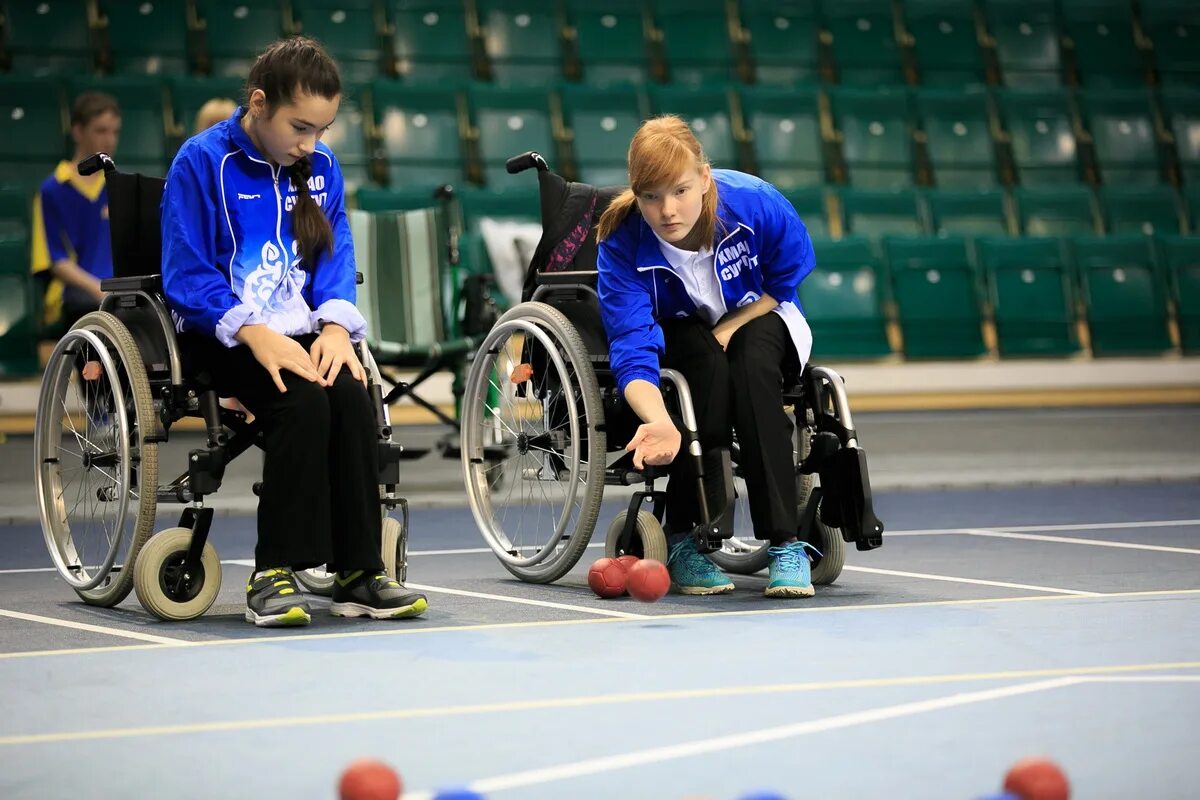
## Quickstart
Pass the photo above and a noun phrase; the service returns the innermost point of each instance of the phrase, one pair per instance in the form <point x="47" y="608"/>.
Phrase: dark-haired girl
<point x="258" y="268"/>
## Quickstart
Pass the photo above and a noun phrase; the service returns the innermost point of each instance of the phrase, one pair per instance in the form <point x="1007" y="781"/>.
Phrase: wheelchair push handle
<point x="95" y="162"/>
<point x="526" y="161"/>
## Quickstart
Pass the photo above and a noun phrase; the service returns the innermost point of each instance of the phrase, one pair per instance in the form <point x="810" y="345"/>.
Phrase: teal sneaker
<point x="692" y="573"/>
<point x="790" y="570"/>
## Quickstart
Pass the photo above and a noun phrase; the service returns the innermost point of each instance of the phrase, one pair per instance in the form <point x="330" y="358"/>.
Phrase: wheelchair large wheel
<point x="742" y="554"/>
<point x="165" y="587"/>
<point x="97" y="476"/>
<point x="532" y="410"/>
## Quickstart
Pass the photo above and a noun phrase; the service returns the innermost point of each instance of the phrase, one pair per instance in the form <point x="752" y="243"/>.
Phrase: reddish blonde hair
<point x="662" y="150"/>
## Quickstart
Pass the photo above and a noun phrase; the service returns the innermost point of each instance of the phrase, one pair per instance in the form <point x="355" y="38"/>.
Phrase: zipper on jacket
<point x="284" y="254"/>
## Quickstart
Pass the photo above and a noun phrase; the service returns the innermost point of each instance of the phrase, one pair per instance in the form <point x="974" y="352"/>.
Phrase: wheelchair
<point x="112" y="390"/>
<point x="542" y="420"/>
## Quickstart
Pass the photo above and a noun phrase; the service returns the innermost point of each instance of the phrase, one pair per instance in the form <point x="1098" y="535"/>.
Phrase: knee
<point x="306" y="401"/>
<point x="348" y="398"/>
<point x="750" y="359"/>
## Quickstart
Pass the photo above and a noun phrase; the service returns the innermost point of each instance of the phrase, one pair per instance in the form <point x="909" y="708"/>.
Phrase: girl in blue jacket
<point x="258" y="269"/>
<point x="698" y="273"/>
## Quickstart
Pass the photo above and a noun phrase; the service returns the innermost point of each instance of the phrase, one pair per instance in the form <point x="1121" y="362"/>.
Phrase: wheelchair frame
<point x="561" y="316"/>
<point x="176" y="573"/>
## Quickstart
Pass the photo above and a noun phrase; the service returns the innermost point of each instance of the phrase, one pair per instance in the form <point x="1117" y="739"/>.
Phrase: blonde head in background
<point x="216" y="110"/>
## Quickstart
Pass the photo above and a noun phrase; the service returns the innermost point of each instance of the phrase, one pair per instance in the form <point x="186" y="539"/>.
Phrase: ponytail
<point x="615" y="214"/>
<point x="314" y="235"/>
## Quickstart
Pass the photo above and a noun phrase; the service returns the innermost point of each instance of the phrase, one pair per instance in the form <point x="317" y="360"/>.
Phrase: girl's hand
<point x="332" y="350"/>
<point x="277" y="352"/>
<point x="655" y="443"/>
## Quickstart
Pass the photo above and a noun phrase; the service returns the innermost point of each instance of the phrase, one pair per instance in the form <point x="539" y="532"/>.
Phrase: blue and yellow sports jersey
<point x="70" y="220"/>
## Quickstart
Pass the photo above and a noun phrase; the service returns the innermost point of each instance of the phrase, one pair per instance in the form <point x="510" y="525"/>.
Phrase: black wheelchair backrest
<point x="569" y="212"/>
<point x="133" y="214"/>
<point x="134" y="202"/>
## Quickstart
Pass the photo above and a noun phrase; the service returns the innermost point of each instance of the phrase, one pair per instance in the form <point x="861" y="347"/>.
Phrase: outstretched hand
<point x="654" y="443"/>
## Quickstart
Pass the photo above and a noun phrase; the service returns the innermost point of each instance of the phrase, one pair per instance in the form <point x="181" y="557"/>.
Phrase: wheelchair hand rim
<point x="48" y="396"/>
<point x="473" y="461"/>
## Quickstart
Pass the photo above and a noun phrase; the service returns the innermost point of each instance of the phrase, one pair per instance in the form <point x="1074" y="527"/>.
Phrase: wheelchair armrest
<point x="132" y="283"/>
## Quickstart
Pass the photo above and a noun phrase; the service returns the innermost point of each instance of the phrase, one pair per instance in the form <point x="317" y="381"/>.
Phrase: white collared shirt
<point x="699" y="276"/>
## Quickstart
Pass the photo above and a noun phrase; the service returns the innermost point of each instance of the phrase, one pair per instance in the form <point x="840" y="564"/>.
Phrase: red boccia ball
<point x="649" y="580"/>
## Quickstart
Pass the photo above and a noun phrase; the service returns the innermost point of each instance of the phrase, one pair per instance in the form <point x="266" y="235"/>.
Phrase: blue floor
<point x="993" y="625"/>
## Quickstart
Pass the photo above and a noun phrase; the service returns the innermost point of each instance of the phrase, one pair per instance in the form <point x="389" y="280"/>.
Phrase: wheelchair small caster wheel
<point x="649" y="540"/>
<point x="394" y="549"/>
<point x="165" y="587"/>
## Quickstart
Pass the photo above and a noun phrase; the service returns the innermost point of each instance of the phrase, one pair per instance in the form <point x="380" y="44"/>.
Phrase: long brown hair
<point x="662" y="149"/>
<point x="286" y="67"/>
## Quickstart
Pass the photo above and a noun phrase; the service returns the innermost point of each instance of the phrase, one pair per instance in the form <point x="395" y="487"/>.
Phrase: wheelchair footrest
<point x="846" y="499"/>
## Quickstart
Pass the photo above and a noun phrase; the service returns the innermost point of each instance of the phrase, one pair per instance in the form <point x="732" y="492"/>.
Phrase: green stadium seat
<point x="523" y="41"/>
<point x="188" y="94"/>
<point x="875" y="125"/>
<point x="420" y="133"/>
<point x="430" y="39"/>
<point x="147" y="38"/>
<point x="1032" y="296"/>
<point x="877" y="212"/>
<point x="348" y="135"/>
<point x="1026" y="36"/>
<point x="610" y="40"/>
<point x="1181" y="114"/>
<point x="349" y="30"/>
<point x="696" y="41"/>
<point x="1061" y="211"/>
<point x="938" y="294"/>
<point x="1181" y="257"/>
<point x="1191" y="194"/>
<point x="843" y="301"/>
<point x="32" y="134"/>
<point x="945" y="42"/>
<point x="371" y="198"/>
<point x="810" y="205"/>
<point x="1124" y="294"/>
<point x="708" y="113"/>
<point x="783" y="40"/>
<point x="1141" y="209"/>
<point x="967" y="212"/>
<point x="864" y="41"/>
<point x="16" y="204"/>
<point x="786" y="128"/>
<point x="144" y="106"/>
<point x="1106" y="53"/>
<point x="48" y="38"/>
<point x="958" y="130"/>
<point x="1122" y="126"/>
<point x="18" y="323"/>
<point x="602" y="123"/>
<point x="235" y="33"/>
<point x="1042" y="128"/>
<point x="1173" y="27"/>
<point x="510" y="121"/>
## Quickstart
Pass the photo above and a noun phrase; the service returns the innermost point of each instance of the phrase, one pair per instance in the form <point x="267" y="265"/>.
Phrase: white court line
<point x="1074" y="526"/>
<point x="83" y="626"/>
<point x="721" y="744"/>
<point x="997" y="529"/>
<point x="976" y="581"/>
<point x="1035" y="537"/>
<point x="604" y="612"/>
<point x="1142" y="679"/>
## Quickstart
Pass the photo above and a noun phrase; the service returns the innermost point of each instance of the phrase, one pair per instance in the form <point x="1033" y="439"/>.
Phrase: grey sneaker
<point x="374" y="595"/>
<point x="274" y="601"/>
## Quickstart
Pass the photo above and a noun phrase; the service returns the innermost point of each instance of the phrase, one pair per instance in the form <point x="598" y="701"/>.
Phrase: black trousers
<point x="740" y="388"/>
<point x="320" y="485"/>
